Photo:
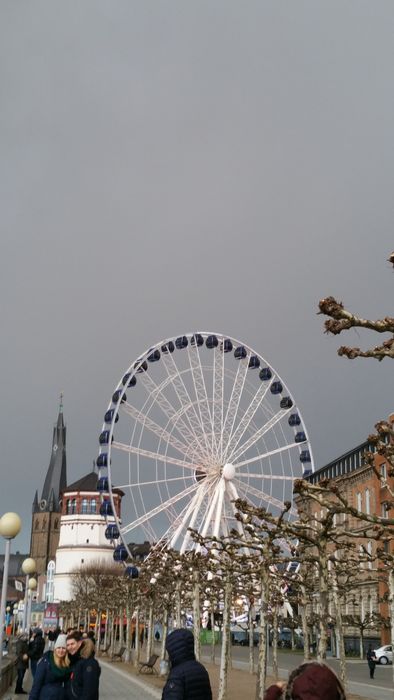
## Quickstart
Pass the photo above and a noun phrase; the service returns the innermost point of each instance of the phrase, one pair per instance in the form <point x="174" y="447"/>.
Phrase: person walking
<point x="188" y="679"/>
<point x="22" y="662"/>
<point x="371" y="659"/>
<point x="36" y="649"/>
<point x="310" y="681"/>
<point x="85" y="669"/>
<point x="52" y="673"/>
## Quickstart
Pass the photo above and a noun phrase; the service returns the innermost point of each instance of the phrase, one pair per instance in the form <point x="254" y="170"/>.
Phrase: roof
<point x="85" y="483"/>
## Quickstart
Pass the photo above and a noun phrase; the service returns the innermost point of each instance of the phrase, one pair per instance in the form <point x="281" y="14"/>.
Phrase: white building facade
<point x="82" y="540"/>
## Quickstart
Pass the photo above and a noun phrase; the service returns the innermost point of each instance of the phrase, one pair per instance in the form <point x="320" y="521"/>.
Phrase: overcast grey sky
<point x="177" y="166"/>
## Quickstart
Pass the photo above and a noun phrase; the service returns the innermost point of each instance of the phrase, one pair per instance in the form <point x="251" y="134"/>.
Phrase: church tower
<point x="46" y="511"/>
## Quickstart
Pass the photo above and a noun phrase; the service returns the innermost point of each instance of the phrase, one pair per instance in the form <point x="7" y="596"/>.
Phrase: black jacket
<point x="48" y="684"/>
<point x="36" y="647"/>
<point x="21" y="650"/>
<point x="188" y="679"/>
<point x="84" y="679"/>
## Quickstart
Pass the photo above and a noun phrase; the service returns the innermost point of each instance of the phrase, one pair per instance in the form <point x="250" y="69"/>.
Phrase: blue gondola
<point x="294" y="420"/>
<point x="129" y="380"/>
<point x="117" y="394"/>
<point x="265" y="374"/>
<point x="111" y="532"/>
<point x="120" y="553"/>
<point x="109" y="416"/>
<point x="140" y="366"/>
<point x="102" y="484"/>
<point x="197" y="339"/>
<point x="106" y="508"/>
<point x="240" y="353"/>
<point x="254" y="362"/>
<point x="181" y="342"/>
<point x="154" y="356"/>
<point x="305" y="456"/>
<point x="226" y="345"/>
<point x="131" y="572"/>
<point x="212" y="342"/>
<point x="286" y="402"/>
<point x="306" y="473"/>
<point x="300" y="437"/>
<point x="168" y="347"/>
<point x="102" y="460"/>
<point x="104" y="437"/>
<point x="276" y="388"/>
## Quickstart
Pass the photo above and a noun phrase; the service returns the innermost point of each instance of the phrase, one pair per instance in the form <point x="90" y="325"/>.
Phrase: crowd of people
<point x="70" y="671"/>
<point x="67" y="671"/>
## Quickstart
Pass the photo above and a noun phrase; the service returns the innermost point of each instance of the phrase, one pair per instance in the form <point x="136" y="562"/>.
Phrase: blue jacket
<point x="84" y="679"/>
<point x="188" y="679"/>
<point x="47" y="684"/>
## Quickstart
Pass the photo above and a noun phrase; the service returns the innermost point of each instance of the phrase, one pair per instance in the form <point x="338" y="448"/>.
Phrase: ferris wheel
<point x="196" y="422"/>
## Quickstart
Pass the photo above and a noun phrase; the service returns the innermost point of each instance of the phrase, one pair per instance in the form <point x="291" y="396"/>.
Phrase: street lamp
<point x="10" y="526"/>
<point x="31" y="587"/>
<point x="28" y="567"/>
<point x="15" y="611"/>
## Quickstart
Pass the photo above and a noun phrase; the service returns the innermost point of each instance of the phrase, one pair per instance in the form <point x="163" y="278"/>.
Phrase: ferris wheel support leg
<point x="219" y="509"/>
<point x="193" y="508"/>
<point x="208" y="517"/>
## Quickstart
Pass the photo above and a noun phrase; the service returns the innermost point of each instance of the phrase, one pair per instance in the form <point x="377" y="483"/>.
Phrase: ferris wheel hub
<point x="228" y="471"/>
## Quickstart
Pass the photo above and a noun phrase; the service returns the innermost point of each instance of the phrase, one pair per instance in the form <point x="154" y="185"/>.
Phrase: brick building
<point x="365" y="491"/>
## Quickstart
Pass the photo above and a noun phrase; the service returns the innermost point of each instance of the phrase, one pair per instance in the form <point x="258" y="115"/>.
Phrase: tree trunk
<point x="275" y="644"/>
<point x="225" y="652"/>
<point x="178" y="622"/>
<point x="263" y="641"/>
<point x="106" y="627"/>
<point x="339" y="630"/>
<point x="251" y="640"/>
<point x="196" y="614"/>
<point x="97" y="628"/>
<point x="150" y="633"/>
<point x="391" y="609"/>
<point x="213" y="637"/>
<point x="304" y="622"/>
<point x="323" y="604"/>
<point x="361" y="642"/>
<point x="128" y="641"/>
<point x="137" y="637"/>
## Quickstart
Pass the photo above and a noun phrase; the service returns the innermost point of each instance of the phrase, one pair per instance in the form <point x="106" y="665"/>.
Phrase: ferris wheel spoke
<point x="154" y="455"/>
<point x="261" y="495"/>
<point x="258" y="434"/>
<point x="147" y="517"/>
<point x="271" y="477"/>
<point x="194" y="419"/>
<point x="246" y="419"/>
<point x="190" y="516"/>
<point x="271" y="453"/>
<point x="218" y="393"/>
<point x="201" y="394"/>
<point x="154" y="427"/>
<point x="233" y="496"/>
<point x="233" y="405"/>
<point x="137" y="484"/>
<point x="167" y="408"/>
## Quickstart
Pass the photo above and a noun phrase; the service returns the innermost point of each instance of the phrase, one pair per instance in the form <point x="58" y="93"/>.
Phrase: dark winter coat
<point x="36" y="646"/>
<point x="188" y="679"/>
<point x="84" y="680"/>
<point x="49" y="681"/>
<point x="21" y="650"/>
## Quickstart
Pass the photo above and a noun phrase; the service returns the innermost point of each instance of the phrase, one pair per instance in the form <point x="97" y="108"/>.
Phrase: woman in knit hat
<point x="52" y="673"/>
<point x="310" y="681"/>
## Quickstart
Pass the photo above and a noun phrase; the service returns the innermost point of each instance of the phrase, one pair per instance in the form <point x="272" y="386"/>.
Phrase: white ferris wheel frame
<point x="207" y="437"/>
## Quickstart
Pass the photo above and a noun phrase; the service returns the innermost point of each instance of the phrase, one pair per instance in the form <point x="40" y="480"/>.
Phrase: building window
<point x="369" y="550"/>
<point x="383" y="471"/>
<point x="93" y="506"/>
<point x="85" y="506"/>
<point x="384" y="510"/>
<point x="71" y="506"/>
<point x="50" y="582"/>
<point x="367" y="502"/>
<point x="359" y="501"/>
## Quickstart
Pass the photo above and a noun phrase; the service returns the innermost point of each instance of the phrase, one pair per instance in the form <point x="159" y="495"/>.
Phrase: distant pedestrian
<point x="36" y="649"/>
<point x="188" y="679"/>
<point x="371" y="659"/>
<point x="22" y="662"/>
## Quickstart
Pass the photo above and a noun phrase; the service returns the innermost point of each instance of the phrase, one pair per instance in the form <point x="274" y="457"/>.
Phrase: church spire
<point x="56" y="477"/>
